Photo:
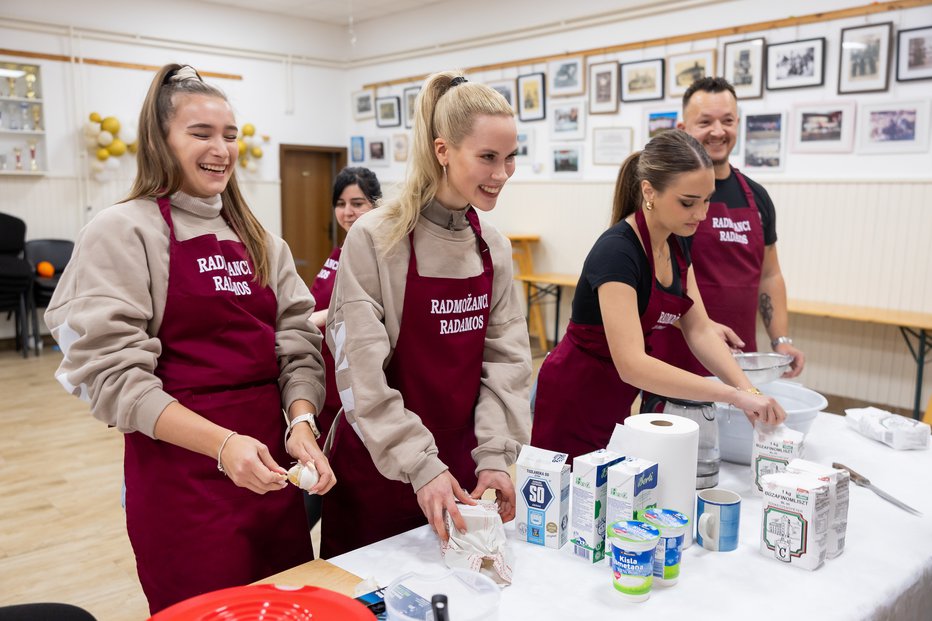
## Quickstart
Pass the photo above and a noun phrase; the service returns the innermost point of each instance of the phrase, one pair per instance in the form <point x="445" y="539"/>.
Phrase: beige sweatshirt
<point x="363" y="327"/>
<point x="108" y="306"/>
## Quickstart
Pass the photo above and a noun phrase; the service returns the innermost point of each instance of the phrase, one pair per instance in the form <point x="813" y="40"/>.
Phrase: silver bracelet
<point x="779" y="341"/>
<point x="220" y="452"/>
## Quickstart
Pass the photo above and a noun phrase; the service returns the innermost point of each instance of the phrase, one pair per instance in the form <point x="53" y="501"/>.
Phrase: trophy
<point x="11" y="84"/>
<point x="24" y="117"/>
<point x="33" y="165"/>
<point x="37" y="117"/>
<point x="18" y="154"/>
<point x="30" y="85"/>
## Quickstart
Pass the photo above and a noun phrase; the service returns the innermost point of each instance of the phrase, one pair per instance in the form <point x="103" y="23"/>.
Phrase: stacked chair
<point x="58" y="253"/>
<point x="16" y="276"/>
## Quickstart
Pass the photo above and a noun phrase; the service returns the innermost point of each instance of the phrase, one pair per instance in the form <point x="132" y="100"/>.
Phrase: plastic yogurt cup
<point x="672" y="526"/>
<point x="632" y="559"/>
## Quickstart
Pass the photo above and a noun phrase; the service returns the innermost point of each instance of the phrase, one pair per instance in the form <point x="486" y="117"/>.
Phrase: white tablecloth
<point x="885" y="571"/>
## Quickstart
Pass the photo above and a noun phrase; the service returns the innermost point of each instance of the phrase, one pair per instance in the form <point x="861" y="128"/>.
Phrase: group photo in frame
<point x="684" y="69"/>
<point x="363" y="105"/>
<point x="567" y="76"/>
<point x="507" y="90"/>
<point x="763" y="142"/>
<point x="642" y="80"/>
<point x="532" y="99"/>
<point x="408" y="99"/>
<point x="611" y="146"/>
<point x="864" y="58"/>
<point x="914" y="54"/>
<point x="566" y="159"/>
<point x="796" y="64"/>
<point x="894" y="127"/>
<point x="743" y="67"/>
<point x="603" y="88"/>
<point x="568" y="120"/>
<point x="823" y="127"/>
<point x="388" y="111"/>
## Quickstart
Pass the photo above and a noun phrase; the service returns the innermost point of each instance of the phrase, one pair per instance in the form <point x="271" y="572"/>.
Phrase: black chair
<point x="58" y="253"/>
<point x="15" y="277"/>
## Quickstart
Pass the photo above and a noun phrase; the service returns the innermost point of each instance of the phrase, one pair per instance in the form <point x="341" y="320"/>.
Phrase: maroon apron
<point x="192" y="529"/>
<point x="728" y="252"/>
<point x="437" y="367"/>
<point x="580" y="396"/>
<point x="322" y="290"/>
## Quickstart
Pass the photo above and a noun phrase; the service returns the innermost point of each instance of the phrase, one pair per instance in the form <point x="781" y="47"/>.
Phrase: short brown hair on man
<point x="708" y="85"/>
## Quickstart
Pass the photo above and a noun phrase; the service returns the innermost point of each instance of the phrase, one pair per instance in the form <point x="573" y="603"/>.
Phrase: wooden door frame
<point x="284" y="149"/>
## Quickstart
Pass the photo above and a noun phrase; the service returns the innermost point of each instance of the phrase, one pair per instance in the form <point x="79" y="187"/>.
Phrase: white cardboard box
<point x="543" y="490"/>
<point x="588" y="511"/>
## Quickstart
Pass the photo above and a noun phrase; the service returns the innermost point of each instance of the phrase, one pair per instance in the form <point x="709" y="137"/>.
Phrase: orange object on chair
<point x="45" y="269"/>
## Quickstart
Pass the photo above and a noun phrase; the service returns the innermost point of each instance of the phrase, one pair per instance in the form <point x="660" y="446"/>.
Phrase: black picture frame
<point x="388" y="111"/>
<point x="651" y="70"/>
<point x="532" y="97"/>
<point x="864" y="67"/>
<point x="906" y="68"/>
<point x="789" y="65"/>
<point x="409" y="97"/>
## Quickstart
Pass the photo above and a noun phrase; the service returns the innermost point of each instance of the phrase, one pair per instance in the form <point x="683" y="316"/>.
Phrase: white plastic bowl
<point x="470" y="595"/>
<point x="736" y="434"/>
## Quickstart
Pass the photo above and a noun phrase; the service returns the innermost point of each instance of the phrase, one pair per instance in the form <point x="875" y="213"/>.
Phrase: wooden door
<point x="307" y="175"/>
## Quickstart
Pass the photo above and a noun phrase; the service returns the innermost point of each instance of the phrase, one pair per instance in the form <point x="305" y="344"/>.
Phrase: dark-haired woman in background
<point x="636" y="280"/>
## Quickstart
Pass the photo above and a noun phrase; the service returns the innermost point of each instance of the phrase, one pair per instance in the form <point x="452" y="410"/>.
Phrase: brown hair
<point x="442" y="110"/>
<point x="159" y="173"/>
<point x="708" y="85"/>
<point x="667" y="155"/>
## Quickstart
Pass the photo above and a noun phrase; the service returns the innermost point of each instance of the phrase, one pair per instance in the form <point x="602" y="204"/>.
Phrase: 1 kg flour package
<point x="795" y="519"/>
<point x="838" y="499"/>
<point x="774" y="447"/>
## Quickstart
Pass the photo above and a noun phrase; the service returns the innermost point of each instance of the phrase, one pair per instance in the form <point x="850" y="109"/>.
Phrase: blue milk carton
<point x="543" y="490"/>
<point x="587" y="510"/>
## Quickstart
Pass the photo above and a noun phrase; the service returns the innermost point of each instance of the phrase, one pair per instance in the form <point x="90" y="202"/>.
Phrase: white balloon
<point x="97" y="166"/>
<point x="91" y="142"/>
<point x="128" y="134"/>
<point x="102" y="176"/>
<point x="91" y="129"/>
<point x="112" y="163"/>
<point x="252" y="166"/>
<point x="104" y="138"/>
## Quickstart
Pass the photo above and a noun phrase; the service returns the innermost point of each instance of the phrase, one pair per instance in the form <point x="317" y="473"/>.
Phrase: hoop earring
<point x="649" y="205"/>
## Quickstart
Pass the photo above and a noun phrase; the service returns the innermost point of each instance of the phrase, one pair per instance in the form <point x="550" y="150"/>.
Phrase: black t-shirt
<point x="729" y="191"/>
<point x="618" y="256"/>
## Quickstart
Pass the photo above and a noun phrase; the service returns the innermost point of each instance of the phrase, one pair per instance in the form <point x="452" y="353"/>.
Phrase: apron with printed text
<point x="437" y="368"/>
<point x="322" y="290"/>
<point x="580" y="396"/>
<point x="191" y="528"/>
<point x="728" y="253"/>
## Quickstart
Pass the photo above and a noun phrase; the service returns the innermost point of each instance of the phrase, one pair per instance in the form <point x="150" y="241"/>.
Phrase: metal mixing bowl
<point x="763" y="368"/>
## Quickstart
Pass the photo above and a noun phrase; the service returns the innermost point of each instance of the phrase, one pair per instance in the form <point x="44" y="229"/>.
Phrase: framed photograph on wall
<point x="409" y="96"/>
<point x="567" y="76"/>
<point x="684" y="69"/>
<point x="658" y="121"/>
<point x="914" y="54"/>
<point x="532" y="100"/>
<point x="603" y="88"/>
<point x="525" y="151"/>
<point x="400" y="147"/>
<point x="611" y="145"/>
<point x="642" y="80"/>
<point x="744" y="67"/>
<point x="377" y="150"/>
<point x="864" y="58"/>
<point x="796" y="64"/>
<point x="763" y="142"/>
<point x="388" y="111"/>
<point x="363" y="105"/>
<point x="566" y="159"/>
<point x="823" y="127"/>
<point x="568" y="120"/>
<point x="507" y="89"/>
<point x="357" y="149"/>
<point x="894" y="127"/>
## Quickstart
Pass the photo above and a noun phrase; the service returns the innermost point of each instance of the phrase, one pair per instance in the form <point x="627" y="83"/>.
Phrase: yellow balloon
<point x="133" y="147"/>
<point x="110" y="124"/>
<point x="95" y="117"/>
<point x="117" y="147"/>
<point x="242" y="147"/>
<point x="249" y="129"/>
<point x="242" y="162"/>
<point x="102" y="154"/>
<point x="256" y="152"/>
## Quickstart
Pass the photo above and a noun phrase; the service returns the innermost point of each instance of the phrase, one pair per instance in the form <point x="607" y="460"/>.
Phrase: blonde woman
<point x="186" y="326"/>
<point x="430" y="343"/>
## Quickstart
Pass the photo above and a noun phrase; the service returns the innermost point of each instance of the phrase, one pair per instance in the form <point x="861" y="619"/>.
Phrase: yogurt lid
<point x="665" y="519"/>
<point x="632" y="531"/>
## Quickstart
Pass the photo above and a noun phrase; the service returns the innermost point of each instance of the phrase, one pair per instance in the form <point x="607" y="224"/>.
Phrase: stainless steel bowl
<point x="763" y="368"/>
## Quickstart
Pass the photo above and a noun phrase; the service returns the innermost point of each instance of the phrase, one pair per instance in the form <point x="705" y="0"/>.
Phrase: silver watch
<point x="780" y="341"/>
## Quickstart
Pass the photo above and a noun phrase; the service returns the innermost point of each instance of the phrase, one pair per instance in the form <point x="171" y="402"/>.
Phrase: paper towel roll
<point x="672" y="442"/>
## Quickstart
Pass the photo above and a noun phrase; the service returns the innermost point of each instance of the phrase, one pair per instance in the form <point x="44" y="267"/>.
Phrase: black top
<point x="729" y="191"/>
<point x="618" y="256"/>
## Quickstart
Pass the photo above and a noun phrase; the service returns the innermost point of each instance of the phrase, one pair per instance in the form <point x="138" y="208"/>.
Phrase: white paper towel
<point x="672" y="442"/>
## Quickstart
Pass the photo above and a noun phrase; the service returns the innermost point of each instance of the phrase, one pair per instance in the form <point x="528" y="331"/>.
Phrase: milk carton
<point x="587" y="511"/>
<point x="543" y="486"/>
<point x="838" y="499"/>
<point x="633" y="486"/>
<point x="795" y="519"/>
<point x="774" y="447"/>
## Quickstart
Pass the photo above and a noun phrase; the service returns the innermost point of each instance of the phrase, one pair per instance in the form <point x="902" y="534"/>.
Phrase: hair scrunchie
<point x="457" y="81"/>
<point x="186" y="73"/>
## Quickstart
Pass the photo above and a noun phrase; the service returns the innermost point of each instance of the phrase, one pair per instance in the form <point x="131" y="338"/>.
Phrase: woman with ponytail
<point x="186" y="326"/>
<point x="428" y="336"/>
<point x="636" y="281"/>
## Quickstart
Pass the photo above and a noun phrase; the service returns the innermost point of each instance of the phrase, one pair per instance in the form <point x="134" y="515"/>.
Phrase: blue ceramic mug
<point x="718" y="515"/>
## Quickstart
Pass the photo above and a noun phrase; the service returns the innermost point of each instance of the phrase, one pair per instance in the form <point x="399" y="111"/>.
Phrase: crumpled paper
<point x="483" y="547"/>
<point x="898" y="432"/>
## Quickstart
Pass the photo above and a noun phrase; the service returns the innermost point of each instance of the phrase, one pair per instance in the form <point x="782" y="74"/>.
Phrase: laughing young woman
<point x="431" y="347"/>
<point x="186" y="326"/>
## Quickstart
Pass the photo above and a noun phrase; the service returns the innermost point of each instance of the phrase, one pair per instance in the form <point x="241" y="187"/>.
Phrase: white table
<point x="885" y="571"/>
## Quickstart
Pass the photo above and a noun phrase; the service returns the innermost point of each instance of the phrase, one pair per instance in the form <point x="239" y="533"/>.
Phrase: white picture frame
<point x="894" y="127"/>
<point x="568" y="120"/>
<point x="363" y="104"/>
<point x="378" y="150"/>
<point x="408" y="99"/>
<point x="566" y="160"/>
<point x="826" y="127"/>
<point x="764" y="140"/>
<point x="743" y="66"/>
<point x="507" y="89"/>
<point x="400" y="147"/>
<point x="357" y="152"/>
<point x="603" y="88"/>
<point x="659" y="119"/>
<point x="611" y="146"/>
<point x="864" y="58"/>
<point x="566" y="77"/>
<point x="525" y="152"/>
<point x="684" y="69"/>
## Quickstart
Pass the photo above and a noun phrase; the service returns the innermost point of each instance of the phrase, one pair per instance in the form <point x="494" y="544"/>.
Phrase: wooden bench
<point x="541" y="286"/>
<point x="521" y="247"/>
<point x="911" y="324"/>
